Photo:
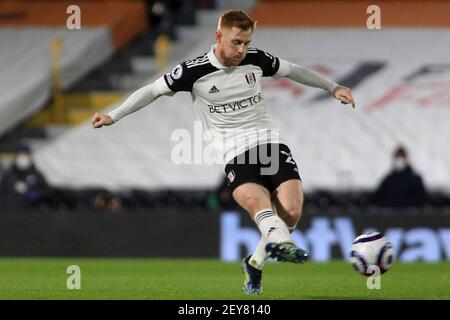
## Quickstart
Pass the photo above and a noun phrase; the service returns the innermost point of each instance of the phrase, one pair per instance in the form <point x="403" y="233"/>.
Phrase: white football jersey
<point x="229" y="100"/>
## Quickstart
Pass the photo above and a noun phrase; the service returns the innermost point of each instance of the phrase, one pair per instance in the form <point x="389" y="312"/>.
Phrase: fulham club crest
<point x="251" y="79"/>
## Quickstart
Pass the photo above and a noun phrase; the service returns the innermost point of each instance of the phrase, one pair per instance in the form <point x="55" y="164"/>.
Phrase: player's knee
<point x="252" y="198"/>
<point x="254" y="204"/>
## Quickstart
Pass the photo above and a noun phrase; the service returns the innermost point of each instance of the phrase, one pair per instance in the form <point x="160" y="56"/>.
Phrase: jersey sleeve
<point x="180" y="78"/>
<point x="268" y="63"/>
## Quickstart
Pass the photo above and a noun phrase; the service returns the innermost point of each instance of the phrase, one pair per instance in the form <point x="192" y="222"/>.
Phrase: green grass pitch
<point x="35" y="278"/>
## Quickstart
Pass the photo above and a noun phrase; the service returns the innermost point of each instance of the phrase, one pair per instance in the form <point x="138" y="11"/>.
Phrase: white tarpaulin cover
<point x="400" y="80"/>
<point x="25" y="64"/>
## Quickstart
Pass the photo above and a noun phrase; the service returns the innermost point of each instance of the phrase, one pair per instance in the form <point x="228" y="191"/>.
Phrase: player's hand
<point x="99" y="120"/>
<point x="344" y="95"/>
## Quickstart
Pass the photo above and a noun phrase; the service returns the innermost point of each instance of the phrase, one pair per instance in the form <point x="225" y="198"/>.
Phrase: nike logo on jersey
<point x="213" y="90"/>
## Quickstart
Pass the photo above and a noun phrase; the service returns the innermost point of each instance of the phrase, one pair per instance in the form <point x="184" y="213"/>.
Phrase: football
<point x="371" y="249"/>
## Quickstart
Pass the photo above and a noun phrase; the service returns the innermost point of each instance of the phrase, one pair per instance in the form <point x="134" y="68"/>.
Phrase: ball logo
<point x="177" y="72"/>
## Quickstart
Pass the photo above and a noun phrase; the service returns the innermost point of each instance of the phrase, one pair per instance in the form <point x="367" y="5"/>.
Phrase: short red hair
<point x="236" y="18"/>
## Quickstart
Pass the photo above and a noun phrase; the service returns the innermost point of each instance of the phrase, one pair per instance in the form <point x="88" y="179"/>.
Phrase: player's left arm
<point x="277" y="68"/>
<point x="311" y="78"/>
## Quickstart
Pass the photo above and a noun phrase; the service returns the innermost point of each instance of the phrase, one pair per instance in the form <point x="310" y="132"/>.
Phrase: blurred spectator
<point x="107" y="202"/>
<point x="221" y="197"/>
<point x="162" y="15"/>
<point x="22" y="185"/>
<point x="402" y="186"/>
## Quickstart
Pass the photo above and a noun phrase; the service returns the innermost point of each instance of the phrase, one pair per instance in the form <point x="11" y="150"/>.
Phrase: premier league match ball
<point x="369" y="250"/>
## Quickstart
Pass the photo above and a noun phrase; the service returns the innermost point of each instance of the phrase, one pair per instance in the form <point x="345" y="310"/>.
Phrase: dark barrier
<point x="415" y="235"/>
<point x="106" y="235"/>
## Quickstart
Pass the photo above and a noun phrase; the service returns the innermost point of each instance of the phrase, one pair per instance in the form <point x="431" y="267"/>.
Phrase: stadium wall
<point x="415" y="235"/>
<point x="350" y="13"/>
<point x="124" y="19"/>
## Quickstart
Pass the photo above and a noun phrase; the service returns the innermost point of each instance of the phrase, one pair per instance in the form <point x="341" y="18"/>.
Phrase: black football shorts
<point x="266" y="164"/>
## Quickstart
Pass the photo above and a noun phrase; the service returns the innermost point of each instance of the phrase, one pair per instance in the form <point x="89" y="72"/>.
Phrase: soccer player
<point x="225" y="84"/>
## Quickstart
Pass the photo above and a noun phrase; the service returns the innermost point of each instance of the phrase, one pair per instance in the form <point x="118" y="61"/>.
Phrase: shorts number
<point x="289" y="158"/>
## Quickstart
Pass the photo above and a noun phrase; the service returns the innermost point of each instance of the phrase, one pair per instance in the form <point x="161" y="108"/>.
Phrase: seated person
<point x="402" y="187"/>
<point x="23" y="185"/>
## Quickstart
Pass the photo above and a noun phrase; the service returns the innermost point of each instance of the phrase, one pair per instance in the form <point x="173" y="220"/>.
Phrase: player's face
<point x="232" y="44"/>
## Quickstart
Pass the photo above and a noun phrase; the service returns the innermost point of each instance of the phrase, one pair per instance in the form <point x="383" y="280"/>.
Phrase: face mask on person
<point x="23" y="162"/>
<point x="399" y="164"/>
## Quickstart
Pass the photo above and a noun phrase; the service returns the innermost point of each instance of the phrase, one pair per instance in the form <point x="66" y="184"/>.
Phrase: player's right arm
<point x="133" y="103"/>
<point x="99" y="120"/>
<point x="180" y="79"/>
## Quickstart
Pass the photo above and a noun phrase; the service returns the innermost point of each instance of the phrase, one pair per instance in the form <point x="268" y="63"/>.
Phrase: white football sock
<point x="259" y="257"/>
<point x="272" y="227"/>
